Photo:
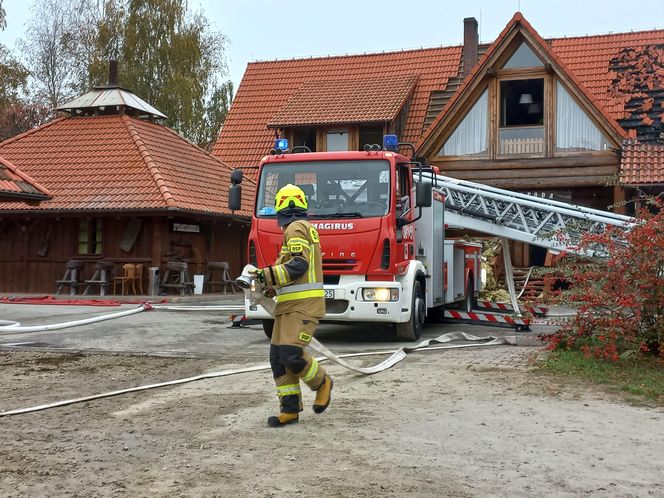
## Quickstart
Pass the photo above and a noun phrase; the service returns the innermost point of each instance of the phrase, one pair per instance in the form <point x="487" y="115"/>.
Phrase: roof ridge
<point x="603" y="35"/>
<point x="31" y="130"/>
<point x="166" y="194"/>
<point x="437" y="47"/>
<point x="364" y="54"/>
<point x="209" y="154"/>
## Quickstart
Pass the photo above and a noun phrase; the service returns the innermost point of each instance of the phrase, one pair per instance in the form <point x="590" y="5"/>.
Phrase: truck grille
<point x="336" y="265"/>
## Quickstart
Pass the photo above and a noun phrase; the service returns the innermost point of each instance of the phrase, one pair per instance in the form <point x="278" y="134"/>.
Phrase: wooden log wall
<point x="540" y="173"/>
<point x="34" y="251"/>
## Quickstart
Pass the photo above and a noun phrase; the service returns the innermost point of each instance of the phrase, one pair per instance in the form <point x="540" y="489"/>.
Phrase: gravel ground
<point x="427" y="427"/>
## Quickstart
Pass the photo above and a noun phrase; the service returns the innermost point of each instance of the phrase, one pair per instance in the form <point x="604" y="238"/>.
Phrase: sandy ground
<point x="423" y="428"/>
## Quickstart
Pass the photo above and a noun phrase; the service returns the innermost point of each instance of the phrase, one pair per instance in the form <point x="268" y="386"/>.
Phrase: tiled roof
<point x="245" y="138"/>
<point x="345" y="101"/>
<point x="117" y="162"/>
<point x="641" y="164"/>
<point x="15" y="184"/>
<point x="588" y="58"/>
<point x="265" y="87"/>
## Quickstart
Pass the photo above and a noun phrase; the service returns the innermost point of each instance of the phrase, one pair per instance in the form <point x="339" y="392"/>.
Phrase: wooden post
<point x="619" y="198"/>
<point x="157" y="227"/>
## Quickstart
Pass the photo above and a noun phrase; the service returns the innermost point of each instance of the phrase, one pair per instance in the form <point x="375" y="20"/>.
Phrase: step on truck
<point x="382" y="219"/>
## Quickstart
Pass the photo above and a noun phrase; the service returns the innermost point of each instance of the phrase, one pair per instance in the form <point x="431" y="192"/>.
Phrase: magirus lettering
<point x="333" y="226"/>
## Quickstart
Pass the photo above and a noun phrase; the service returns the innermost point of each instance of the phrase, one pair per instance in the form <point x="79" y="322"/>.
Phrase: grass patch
<point x="643" y="378"/>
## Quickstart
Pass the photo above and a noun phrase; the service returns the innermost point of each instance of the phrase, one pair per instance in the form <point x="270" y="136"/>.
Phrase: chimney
<point x="470" y="42"/>
<point x="113" y="72"/>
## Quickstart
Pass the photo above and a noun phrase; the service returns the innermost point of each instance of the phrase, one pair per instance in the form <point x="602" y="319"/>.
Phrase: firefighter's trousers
<point x="290" y="362"/>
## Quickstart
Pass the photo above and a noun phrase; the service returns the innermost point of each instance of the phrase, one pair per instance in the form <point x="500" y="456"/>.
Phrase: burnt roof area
<point x="639" y="82"/>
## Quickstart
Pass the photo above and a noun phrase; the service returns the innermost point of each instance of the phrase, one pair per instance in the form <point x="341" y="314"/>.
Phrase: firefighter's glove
<point x="258" y="274"/>
<point x="269" y="292"/>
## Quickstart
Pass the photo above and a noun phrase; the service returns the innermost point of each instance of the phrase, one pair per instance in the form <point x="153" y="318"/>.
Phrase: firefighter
<point x="297" y="279"/>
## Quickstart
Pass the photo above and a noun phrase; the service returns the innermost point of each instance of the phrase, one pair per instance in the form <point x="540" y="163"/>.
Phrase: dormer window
<point x="521" y="128"/>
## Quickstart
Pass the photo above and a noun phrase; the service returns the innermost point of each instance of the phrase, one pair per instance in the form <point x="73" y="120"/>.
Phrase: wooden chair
<point x="102" y="277"/>
<point x="128" y="278"/>
<point x="177" y="277"/>
<point x="218" y="275"/>
<point x="72" y="277"/>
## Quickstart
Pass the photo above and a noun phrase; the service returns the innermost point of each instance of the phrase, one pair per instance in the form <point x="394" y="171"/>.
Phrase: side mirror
<point x="423" y="194"/>
<point x="235" y="191"/>
<point x="234" y="197"/>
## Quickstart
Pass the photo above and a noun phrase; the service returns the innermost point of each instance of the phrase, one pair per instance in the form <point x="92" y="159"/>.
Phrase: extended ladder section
<point x="503" y="213"/>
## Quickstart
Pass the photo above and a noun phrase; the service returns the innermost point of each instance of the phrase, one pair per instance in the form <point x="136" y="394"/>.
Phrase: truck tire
<point x="412" y="329"/>
<point x="268" y="325"/>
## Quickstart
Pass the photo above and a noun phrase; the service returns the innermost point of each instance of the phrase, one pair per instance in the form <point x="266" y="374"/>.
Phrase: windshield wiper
<point x="337" y="215"/>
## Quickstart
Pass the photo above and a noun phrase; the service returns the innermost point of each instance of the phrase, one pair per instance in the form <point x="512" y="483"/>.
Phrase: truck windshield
<point x="344" y="189"/>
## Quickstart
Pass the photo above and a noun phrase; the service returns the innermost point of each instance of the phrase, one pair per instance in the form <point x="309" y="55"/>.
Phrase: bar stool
<point x="177" y="277"/>
<point x="101" y="277"/>
<point x="218" y="270"/>
<point x="72" y="277"/>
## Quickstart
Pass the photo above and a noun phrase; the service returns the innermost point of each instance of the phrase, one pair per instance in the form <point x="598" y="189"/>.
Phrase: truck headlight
<point x="380" y="294"/>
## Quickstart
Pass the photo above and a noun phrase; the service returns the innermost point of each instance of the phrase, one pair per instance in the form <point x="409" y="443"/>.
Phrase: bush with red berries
<point x="619" y="299"/>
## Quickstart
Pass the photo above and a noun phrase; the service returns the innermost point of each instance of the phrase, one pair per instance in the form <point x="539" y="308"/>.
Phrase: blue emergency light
<point x="390" y="142"/>
<point x="281" y="144"/>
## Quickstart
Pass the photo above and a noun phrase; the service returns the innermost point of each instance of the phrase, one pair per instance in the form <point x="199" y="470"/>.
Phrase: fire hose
<point x="255" y="296"/>
<point x="16" y="328"/>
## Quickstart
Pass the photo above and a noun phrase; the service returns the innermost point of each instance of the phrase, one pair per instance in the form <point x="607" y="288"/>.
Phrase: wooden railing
<point x="531" y="146"/>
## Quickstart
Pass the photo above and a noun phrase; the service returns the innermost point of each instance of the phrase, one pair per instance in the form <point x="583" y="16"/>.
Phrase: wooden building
<point x="124" y="189"/>
<point x="553" y="118"/>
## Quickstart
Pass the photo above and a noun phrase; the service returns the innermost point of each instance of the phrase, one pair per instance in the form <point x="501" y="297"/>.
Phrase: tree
<point x="13" y="76"/>
<point x="49" y="50"/>
<point x="169" y="57"/>
<point x="216" y="111"/>
<point x="19" y="117"/>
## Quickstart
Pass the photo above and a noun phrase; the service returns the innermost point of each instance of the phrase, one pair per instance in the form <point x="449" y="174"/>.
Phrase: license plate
<point x="329" y="294"/>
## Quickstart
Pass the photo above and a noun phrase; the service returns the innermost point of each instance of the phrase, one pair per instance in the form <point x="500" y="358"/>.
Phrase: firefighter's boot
<point x="323" y="395"/>
<point x="283" y="419"/>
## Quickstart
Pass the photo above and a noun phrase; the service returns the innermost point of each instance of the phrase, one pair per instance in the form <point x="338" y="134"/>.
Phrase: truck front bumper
<point x="342" y="304"/>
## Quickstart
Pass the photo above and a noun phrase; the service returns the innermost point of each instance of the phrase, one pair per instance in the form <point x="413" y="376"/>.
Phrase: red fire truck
<point x="382" y="219"/>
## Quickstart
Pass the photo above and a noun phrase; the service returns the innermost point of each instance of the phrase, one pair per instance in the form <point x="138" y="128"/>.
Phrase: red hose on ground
<point x="53" y="300"/>
<point x="71" y="302"/>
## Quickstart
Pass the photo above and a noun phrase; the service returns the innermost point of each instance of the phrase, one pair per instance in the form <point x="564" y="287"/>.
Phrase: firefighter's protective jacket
<point x="297" y="275"/>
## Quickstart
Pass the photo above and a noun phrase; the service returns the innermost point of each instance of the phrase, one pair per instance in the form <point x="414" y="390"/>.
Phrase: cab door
<point x="405" y="234"/>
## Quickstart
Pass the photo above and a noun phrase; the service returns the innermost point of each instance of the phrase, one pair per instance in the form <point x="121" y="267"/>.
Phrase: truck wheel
<point x="268" y="325"/>
<point x="412" y="329"/>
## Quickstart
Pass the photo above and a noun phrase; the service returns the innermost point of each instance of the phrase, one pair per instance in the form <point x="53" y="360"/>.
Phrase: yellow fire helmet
<point x="290" y="196"/>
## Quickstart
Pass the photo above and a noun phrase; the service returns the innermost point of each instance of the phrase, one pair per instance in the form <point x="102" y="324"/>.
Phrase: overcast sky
<point x="267" y="30"/>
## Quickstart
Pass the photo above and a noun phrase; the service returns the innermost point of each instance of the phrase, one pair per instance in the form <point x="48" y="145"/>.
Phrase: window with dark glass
<point x="370" y="135"/>
<point x="306" y="137"/>
<point x="522" y="117"/>
<point x="89" y="236"/>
